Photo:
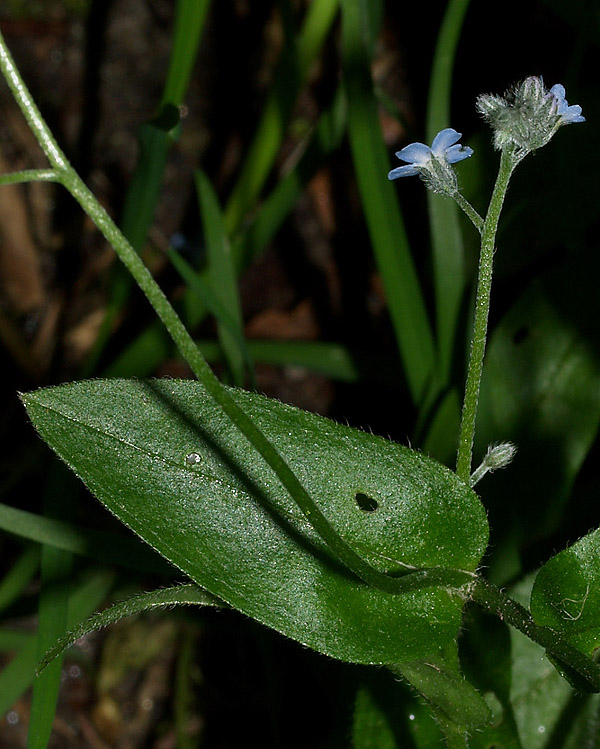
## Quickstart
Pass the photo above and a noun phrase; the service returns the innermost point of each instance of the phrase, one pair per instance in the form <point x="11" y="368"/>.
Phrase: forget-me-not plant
<point x="523" y="120"/>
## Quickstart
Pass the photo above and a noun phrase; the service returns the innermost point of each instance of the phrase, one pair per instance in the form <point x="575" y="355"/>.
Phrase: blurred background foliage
<point x="256" y="127"/>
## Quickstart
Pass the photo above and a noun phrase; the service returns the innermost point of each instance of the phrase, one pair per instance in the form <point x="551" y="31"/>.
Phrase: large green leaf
<point x="165" y="460"/>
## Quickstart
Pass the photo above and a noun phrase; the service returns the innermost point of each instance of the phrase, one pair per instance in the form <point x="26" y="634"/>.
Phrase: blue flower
<point x="422" y="159"/>
<point x="568" y="114"/>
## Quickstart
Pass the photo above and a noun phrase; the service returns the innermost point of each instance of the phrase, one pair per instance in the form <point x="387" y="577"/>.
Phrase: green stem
<point x="496" y="602"/>
<point x="190" y="352"/>
<point x="508" y="162"/>
<point x="473" y="215"/>
<point x="30" y="175"/>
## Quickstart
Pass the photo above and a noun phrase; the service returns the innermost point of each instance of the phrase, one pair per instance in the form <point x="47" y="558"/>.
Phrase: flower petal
<point x="572" y="114"/>
<point x="415" y="153"/>
<point x="408" y="170"/>
<point x="558" y="90"/>
<point x="457" y="153"/>
<point x="443" y="140"/>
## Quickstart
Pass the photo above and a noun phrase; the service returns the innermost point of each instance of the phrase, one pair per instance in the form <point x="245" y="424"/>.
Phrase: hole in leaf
<point x="366" y="503"/>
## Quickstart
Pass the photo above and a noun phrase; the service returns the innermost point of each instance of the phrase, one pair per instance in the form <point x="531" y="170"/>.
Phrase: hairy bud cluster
<point x="528" y="115"/>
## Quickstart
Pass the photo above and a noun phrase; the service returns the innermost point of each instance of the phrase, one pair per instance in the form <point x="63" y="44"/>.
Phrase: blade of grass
<point x="330" y="359"/>
<point x="19" y="576"/>
<point x="386" y="229"/>
<point x="190" y="19"/>
<point x="14" y="639"/>
<point x="446" y="235"/>
<point x="183" y="698"/>
<point x="326" y="137"/>
<point x="155" y="139"/>
<point x="144" y="354"/>
<point x="56" y="569"/>
<point x="230" y="325"/>
<point x="223" y="281"/>
<point x="107" y="548"/>
<point x="19" y="674"/>
<point x="297" y="58"/>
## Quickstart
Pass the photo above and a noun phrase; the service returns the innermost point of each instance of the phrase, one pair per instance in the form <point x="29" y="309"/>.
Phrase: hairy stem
<point x="30" y="175"/>
<point x="471" y="213"/>
<point x="482" y="308"/>
<point x="496" y="602"/>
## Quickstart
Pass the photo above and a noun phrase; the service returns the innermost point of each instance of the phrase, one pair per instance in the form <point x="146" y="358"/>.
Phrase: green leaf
<point x="566" y="595"/>
<point x="163" y="458"/>
<point x="439" y="680"/>
<point x="539" y="696"/>
<point x="177" y="595"/>
<point x="485" y="655"/>
<point x="389" y="715"/>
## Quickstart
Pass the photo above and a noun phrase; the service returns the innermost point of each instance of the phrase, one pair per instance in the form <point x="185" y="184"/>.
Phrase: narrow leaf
<point x="386" y="229"/>
<point x="446" y="236"/>
<point x="18" y="577"/>
<point x="298" y="55"/>
<point x="223" y="279"/>
<point x="177" y="595"/>
<point x="104" y="547"/>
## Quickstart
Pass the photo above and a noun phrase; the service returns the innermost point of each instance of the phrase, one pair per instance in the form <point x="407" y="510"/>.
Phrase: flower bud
<point x="497" y="456"/>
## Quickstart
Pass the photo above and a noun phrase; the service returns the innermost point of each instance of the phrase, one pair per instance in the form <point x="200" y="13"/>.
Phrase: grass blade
<point x="227" y="322"/>
<point x="223" y="281"/>
<point x="405" y="299"/>
<point x="153" y="345"/>
<point x="56" y="570"/>
<point x="155" y="140"/>
<point x="445" y="231"/>
<point x="103" y="547"/>
<point x="19" y="673"/>
<point x="189" y="24"/>
<point x="19" y="576"/>
<point x="297" y="58"/>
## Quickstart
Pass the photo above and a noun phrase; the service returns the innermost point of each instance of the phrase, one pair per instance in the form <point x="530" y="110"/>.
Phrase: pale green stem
<point x="508" y="162"/>
<point x="190" y="352"/>
<point x="30" y="175"/>
<point x="473" y="215"/>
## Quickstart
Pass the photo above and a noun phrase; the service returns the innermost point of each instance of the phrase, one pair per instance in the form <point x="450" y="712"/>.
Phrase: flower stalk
<point x="508" y="161"/>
